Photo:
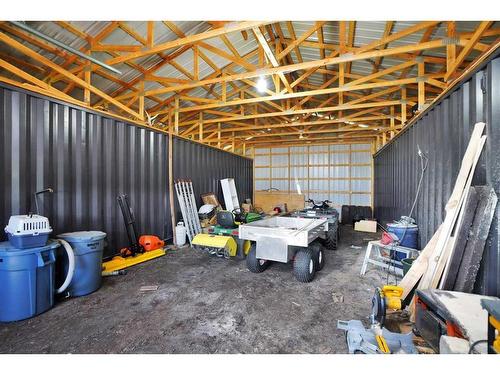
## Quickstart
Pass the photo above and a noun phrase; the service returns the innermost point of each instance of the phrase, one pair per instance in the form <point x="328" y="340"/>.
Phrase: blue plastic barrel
<point x="88" y="247"/>
<point x="26" y="280"/>
<point x="407" y="234"/>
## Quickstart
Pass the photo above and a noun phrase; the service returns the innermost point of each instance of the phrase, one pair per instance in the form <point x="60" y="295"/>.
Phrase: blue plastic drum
<point x="26" y="280"/>
<point x="88" y="247"/>
<point x="407" y="234"/>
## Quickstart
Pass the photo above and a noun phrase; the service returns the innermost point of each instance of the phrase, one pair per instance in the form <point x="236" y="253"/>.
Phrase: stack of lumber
<point x="451" y="258"/>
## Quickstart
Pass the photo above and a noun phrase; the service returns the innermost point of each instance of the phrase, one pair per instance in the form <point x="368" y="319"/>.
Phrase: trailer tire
<point x="255" y="265"/>
<point x="304" y="267"/>
<point x="319" y="256"/>
<point x="332" y="237"/>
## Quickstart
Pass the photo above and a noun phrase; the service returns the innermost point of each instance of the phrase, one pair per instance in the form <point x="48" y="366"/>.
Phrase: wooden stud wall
<point x="314" y="160"/>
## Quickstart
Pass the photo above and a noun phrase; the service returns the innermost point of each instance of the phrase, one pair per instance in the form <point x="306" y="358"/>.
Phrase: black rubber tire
<point x="332" y="237"/>
<point x="253" y="264"/>
<point x="304" y="267"/>
<point x="319" y="255"/>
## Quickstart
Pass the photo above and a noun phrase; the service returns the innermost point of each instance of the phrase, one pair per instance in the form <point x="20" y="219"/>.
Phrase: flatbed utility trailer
<point x="284" y="239"/>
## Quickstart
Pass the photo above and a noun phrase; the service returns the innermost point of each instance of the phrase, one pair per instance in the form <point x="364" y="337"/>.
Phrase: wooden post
<point x="253" y="174"/>
<point x="201" y="127"/>
<point x="451" y="49"/>
<point x="176" y="116"/>
<point x="141" y="100"/>
<point x="403" y="105"/>
<point x="393" y="124"/>
<point x="170" y="120"/>
<point x="86" y="91"/>
<point x="195" y="64"/>
<point x="421" y="86"/>
<point x="224" y="89"/>
<point x="341" y="84"/>
<point x="171" y="182"/>
<point x="218" y="135"/>
<point x="384" y="138"/>
<point x="372" y="195"/>
<point x="232" y="141"/>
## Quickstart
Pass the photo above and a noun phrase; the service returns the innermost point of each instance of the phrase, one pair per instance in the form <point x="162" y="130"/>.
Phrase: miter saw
<point x="377" y="339"/>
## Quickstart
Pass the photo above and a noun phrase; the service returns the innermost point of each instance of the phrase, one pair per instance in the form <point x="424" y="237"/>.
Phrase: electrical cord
<point x="475" y="343"/>
<point x="424" y="161"/>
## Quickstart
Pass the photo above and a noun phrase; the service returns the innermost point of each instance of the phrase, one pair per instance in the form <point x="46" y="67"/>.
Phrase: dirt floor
<point x="208" y="305"/>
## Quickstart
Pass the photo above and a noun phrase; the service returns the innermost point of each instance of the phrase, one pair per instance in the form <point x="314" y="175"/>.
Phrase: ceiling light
<point x="301" y="136"/>
<point x="248" y="138"/>
<point x="226" y="147"/>
<point x="261" y="84"/>
<point x="268" y="129"/>
<point x="362" y="125"/>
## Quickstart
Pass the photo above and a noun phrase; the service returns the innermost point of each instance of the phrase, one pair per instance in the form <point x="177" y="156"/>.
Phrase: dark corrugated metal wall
<point x="206" y="166"/>
<point x="443" y="134"/>
<point x="89" y="159"/>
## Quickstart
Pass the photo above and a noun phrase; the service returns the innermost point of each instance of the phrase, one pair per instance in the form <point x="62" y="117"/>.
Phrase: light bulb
<point x="261" y="84"/>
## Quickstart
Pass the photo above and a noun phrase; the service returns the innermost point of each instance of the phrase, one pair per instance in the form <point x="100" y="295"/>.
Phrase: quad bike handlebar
<point x="323" y="205"/>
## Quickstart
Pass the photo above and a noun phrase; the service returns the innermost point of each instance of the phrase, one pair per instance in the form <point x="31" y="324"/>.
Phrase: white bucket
<point x="180" y="234"/>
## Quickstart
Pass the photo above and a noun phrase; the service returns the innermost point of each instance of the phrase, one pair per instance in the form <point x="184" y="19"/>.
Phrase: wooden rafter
<point x="231" y="110"/>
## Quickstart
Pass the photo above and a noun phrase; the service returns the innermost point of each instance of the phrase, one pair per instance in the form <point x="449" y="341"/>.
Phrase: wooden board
<point x="474" y="248"/>
<point x="366" y="226"/>
<point x="437" y="261"/>
<point x="419" y="266"/>
<point x="267" y="200"/>
<point x="451" y="270"/>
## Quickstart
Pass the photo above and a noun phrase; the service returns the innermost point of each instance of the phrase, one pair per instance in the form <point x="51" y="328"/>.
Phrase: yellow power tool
<point x="387" y="297"/>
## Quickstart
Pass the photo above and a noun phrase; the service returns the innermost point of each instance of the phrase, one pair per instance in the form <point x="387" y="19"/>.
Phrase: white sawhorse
<point x="374" y="256"/>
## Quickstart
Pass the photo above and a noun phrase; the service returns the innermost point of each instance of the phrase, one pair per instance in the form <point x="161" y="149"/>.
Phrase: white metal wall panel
<point x="261" y="160"/>
<point x="279" y="172"/>
<point x="262" y="173"/>
<point x="339" y="158"/>
<point x="340" y="173"/>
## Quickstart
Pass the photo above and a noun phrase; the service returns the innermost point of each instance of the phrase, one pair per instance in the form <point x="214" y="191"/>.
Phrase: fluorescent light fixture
<point x="362" y="125"/>
<point x="248" y="138"/>
<point x="261" y="84"/>
<point x="227" y="147"/>
<point x="268" y="129"/>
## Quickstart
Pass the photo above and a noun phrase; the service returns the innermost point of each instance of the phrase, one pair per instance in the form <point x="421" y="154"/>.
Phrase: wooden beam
<point x="232" y="27"/>
<point x="150" y="34"/>
<point x="403" y="105"/>
<point x="294" y="44"/>
<point x="176" y="115"/>
<point x="22" y="74"/>
<point x="390" y="38"/>
<point x="297" y="112"/>
<point x="201" y="127"/>
<point x="270" y="55"/>
<point x="88" y="81"/>
<point x="141" y="101"/>
<point x="467" y="48"/>
<point x="451" y="49"/>
<point x="421" y="86"/>
<point x="301" y="66"/>
<point x="326" y="91"/>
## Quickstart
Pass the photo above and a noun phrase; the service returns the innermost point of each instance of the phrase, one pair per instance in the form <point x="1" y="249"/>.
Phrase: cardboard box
<point x="366" y="226"/>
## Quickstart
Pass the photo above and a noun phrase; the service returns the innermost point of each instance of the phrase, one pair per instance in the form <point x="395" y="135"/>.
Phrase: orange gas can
<point x="150" y="242"/>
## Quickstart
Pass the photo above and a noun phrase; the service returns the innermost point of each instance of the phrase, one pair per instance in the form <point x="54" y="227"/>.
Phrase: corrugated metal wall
<point x="89" y="159"/>
<point x="443" y="134"/>
<point x="206" y="166"/>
